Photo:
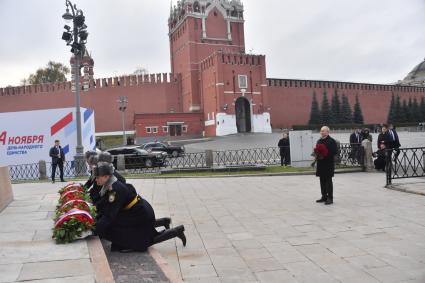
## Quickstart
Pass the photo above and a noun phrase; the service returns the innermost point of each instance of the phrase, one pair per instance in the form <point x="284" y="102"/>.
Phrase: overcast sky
<point x="376" y="41"/>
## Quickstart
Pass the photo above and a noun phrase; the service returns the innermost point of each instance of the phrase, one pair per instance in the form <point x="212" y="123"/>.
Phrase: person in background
<point x="381" y="158"/>
<point x="284" y="147"/>
<point x="394" y="140"/>
<point x="366" y="135"/>
<point x="355" y="143"/>
<point x="58" y="158"/>
<point x="326" y="165"/>
<point x="383" y="138"/>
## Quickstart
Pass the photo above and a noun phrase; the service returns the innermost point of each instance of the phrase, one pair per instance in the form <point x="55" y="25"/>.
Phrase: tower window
<point x="243" y="81"/>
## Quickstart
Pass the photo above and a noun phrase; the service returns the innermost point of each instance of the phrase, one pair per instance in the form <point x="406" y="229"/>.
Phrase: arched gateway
<point x="243" y="115"/>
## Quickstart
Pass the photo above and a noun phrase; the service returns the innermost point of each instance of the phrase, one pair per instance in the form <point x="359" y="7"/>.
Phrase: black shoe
<point x="329" y="201"/>
<point x="170" y="234"/>
<point x="53" y="181"/>
<point x="321" y="200"/>
<point x="163" y="222"/>
<point x="181" y="234"/>
<point x="63" y="181"/>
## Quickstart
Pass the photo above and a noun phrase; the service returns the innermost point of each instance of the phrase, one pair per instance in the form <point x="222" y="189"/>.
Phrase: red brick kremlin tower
<point x="214" y="88"/>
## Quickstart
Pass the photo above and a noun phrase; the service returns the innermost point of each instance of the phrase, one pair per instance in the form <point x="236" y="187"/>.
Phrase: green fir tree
<point x="397" y="110"/>
<point x="314" y="112"/>
<point x="357" y="115"/>
<point x="409" y="114"/>
<point x="336" y="108"/>
<point x="326" y="114"/>
<point x="422" y="109"/>
<point x="391" y="112"/>
<point x="416" y="111"/>
<point x="404" y="117"/>
<point x="346" y="114"/>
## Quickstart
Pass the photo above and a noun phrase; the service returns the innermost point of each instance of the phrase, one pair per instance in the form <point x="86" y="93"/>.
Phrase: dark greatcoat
<point x="127" y="229"/>
<point x="326" y="166"/>
<point x="384" y="139"/>
<point x="283" y="146"/>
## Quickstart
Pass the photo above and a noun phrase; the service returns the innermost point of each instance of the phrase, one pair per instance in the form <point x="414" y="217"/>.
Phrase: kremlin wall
<point x="214" y="88"/>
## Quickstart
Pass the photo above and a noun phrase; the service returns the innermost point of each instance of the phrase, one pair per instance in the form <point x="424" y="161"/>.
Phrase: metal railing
<point x="405" y="163"/>
<point x="347" y="156"/>
<point x="24" y="172"/>
<point x="263" y="156"/>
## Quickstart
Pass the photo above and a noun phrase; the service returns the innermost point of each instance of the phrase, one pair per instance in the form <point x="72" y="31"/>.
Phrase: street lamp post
<point x="123" y="101"/>
<point x="77" y="39"/>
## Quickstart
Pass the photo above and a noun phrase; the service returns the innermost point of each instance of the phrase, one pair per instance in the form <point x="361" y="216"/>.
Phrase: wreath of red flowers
<point x="74" y="215"/>
<point x="72" y="187"/>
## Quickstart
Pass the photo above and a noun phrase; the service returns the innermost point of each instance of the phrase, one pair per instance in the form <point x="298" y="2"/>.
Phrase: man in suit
<point x="326" y="166"/>
<point x="58" y="158"/>
<point x="394" y="141"/>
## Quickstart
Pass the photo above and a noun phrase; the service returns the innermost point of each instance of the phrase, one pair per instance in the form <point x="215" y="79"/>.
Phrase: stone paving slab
<point x="27" y="251"/>
<point x="413" y="186"/>
<point x="271" y="230"/>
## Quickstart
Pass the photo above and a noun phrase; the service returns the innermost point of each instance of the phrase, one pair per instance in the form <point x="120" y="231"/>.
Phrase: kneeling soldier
<point x="127" y="220"/>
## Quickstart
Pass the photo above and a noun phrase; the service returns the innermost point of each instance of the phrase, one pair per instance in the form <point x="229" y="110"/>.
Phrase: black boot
<point x="321" y="200"/>
<point x="163" y="222"/>
<point x="170" y="234"/>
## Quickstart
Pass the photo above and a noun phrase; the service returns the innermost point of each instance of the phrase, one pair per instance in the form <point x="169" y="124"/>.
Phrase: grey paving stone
<point x="198" y="271"/>
<point x="388" y="274"/>
<point x="55" y="269"/>
<point x="366" y="261"/>
<point x="72" y="279"/>
<point x="9" y="272"/>
<point x="277" y="276"/>
<point x="257" y="253"/>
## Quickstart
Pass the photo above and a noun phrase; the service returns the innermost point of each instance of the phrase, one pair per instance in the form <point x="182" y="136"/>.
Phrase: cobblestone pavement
<point x="269" y="229"/>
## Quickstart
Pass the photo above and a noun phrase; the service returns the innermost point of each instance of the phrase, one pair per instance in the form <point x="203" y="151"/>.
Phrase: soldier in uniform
<point x="127" y="220"/>
<point x="93" y="158"/>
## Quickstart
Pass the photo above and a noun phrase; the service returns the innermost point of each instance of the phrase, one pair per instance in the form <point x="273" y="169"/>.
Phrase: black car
<point x="173" y="151"/>
<point x="136" y="158"/>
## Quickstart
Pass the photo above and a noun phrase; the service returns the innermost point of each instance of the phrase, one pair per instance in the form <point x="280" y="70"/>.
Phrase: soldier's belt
<point x="132" y="203"/>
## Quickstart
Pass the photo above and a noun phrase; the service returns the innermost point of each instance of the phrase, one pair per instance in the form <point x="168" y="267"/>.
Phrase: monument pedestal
<point x="6" y="194"/>
<point x="302" y="145"/>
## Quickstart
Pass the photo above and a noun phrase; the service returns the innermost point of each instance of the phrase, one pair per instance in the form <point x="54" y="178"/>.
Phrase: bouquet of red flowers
<point x="75" y="216"/>
<point x="319" y="152"/>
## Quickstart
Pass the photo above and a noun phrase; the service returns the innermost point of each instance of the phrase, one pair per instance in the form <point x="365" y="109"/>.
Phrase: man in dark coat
<point x="326" y="166"/>
<point x="355" y="143"/>
<point x="285" y="154"/>
<point x="384" y="138"/>
<point x="128" y="220"/>
<point x="58" y="158"/>
<point x="381" y="158"/>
